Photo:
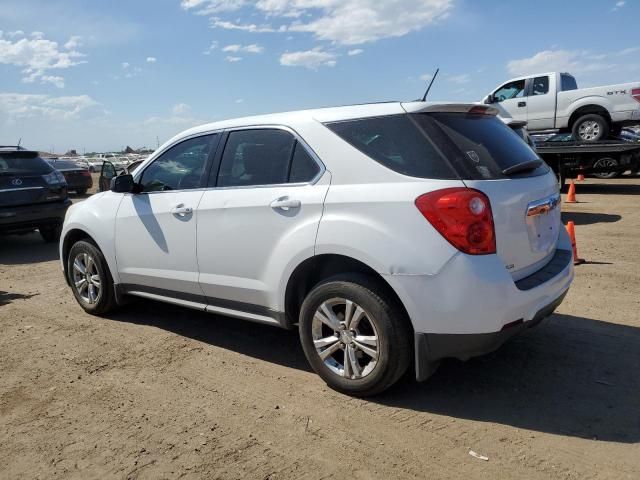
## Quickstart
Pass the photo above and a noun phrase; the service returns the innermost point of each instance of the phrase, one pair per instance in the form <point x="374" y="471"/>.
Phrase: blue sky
<point x="102" y="75"/>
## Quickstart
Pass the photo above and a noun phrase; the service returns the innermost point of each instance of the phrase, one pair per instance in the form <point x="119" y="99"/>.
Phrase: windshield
<point x="20" y="163"/>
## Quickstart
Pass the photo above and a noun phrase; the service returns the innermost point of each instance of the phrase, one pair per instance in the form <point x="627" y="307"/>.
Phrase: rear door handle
<point x="522" y="104"/>
<point x="181" y="210"/>
<point x="285" y="203"/>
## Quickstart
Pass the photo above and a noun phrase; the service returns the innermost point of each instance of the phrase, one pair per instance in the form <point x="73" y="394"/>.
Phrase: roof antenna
<point x="424" y="98"/>
<point x="19" y="141"/>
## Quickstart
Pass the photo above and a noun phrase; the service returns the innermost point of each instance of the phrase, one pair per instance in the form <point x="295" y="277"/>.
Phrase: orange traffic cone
<point x="580" y="177"/>
<point x="571" y="230"/>
<point x="571" y="196"/>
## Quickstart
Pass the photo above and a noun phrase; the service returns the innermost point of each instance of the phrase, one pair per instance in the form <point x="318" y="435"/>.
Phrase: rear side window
<point x="397" y="143"/>
<point x="479" y="146"/>
<point x="265" y="157"/>
<point x="540" y="85"/>
<point x="20" y="163"/>
<point x="568" y="82"/>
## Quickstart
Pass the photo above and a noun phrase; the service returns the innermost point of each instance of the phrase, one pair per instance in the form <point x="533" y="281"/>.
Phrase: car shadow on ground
<point x="570" y="376"/>
<point x="586" y="218"/>
<point x="7" y="297"/>
<point x="22" y="249"/>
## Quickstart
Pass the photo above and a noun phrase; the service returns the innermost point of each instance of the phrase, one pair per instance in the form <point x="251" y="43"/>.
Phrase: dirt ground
<point x="155" y="391"/>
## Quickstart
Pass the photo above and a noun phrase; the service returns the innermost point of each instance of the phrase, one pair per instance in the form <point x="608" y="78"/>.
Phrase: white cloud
<point x="180" y="109"/>
<point x="347" y="22"/>
<point x="557" y="60"/>
<point x="73" y="42"/>
<point x="212" y="47"/>
<point x="36" y="56"/>
<point x="236" y="48"/>
<point x="53" y="79"/>
<point x="426" y="77"/>
<point x="152" y="59"/>
<point x="16" y="33"/>
<point x="244" y="27"/>
<point x="125" y="65"/>
<point x="355" y="51"/>
<point x="618" y="5"/>
<point x="628" y="51"/>
<point x="16" y="105"/>
<point x="312" y="59"/>
<point x="232" y="59"/>
<point x="239" y="100"/>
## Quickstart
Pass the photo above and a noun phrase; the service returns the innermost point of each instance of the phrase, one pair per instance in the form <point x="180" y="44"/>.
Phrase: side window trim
<point x="222" y="145"/>
<point x="208" y="163"/>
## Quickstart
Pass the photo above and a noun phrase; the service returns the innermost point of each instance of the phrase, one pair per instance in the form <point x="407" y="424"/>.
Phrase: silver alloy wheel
<point x="606" y="162"/>
<point x="589" y="130"/>
<point x="345" y="338"/>
<point x="86" y="278"/>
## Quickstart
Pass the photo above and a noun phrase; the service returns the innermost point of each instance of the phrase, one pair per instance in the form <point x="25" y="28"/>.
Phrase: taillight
<point x="635" y="93"/>
<point x="463" y="217"/>
<point x="85" y="173"/>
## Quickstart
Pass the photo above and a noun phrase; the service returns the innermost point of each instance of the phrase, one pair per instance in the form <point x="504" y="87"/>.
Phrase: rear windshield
<point x="21" y="163"/>
<point x="440" y="145"/>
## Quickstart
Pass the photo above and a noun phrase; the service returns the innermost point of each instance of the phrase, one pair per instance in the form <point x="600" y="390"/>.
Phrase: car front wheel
<point x="90" y="278"/>
<point x="354" y="335"/>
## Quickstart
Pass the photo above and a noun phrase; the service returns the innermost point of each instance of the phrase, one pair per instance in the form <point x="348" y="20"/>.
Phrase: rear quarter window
<point x="396" y="142"/>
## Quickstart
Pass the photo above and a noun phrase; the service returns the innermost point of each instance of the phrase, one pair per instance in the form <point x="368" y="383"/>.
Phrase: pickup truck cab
<point x="553" y="102"/>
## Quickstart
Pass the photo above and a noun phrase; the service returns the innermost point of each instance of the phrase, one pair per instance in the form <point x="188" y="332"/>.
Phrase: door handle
<point x="181" y="210"/>
<point x="285" y="203"/>
<point x="522" y="104"/>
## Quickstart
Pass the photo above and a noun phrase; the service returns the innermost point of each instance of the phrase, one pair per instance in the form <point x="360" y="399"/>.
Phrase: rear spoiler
<point x="473" y="108"/>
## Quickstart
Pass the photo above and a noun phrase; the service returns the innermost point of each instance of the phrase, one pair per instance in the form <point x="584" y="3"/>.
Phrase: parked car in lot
<point x="91" y="164"/>
<point x="388" y="234"/>
<point x="33" y="195"/>
<point x="77" y="176"/>
<point x="552" y="101"/>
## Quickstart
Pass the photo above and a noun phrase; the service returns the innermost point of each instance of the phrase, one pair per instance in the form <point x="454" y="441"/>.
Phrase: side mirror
<point x="122" y="184"/>
<point x="490" y="99"/>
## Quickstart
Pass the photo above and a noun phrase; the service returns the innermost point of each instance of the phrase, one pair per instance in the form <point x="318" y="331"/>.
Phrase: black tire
<point x="105" y="300"/>
<point x="50" y="234"/>
<point x="604" y="162"/>
<point x="81" y="191"/>
<point x="583" y="133"/>
<point x="394" y="339"/>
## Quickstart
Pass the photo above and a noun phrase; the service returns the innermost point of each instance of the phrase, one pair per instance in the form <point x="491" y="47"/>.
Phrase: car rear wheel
<point x="354" y="336"/>
<point x="590" y="128"/>
<point x="50" y="234"/>
<point x="90" y="278"/>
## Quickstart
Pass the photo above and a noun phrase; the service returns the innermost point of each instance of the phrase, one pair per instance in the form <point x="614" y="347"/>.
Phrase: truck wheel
<point x="354" y="336"/>
<point x="606" y="162"/>
<point x="590" y="128"/>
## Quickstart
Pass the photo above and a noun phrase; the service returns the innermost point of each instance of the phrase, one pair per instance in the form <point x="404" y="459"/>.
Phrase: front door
<point x="156" y="228"/>
<point x="260" y="217"/>
<point x="511" y="100"/>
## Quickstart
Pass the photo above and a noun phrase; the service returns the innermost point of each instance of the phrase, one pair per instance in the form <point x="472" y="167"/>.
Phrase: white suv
<point x="387" y="234"/>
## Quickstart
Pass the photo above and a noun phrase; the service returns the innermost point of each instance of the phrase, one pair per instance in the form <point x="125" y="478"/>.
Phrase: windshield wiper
<point x="520" y="167"/>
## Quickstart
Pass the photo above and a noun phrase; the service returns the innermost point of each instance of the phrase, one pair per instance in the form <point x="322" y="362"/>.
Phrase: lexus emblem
<point x="16" y="182"/>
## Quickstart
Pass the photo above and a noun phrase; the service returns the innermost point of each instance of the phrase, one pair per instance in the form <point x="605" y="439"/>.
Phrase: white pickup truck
<point x="553" y="102"/>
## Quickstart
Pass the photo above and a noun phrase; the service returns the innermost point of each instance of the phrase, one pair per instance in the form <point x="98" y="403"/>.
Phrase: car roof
<point x="325" y="115"/>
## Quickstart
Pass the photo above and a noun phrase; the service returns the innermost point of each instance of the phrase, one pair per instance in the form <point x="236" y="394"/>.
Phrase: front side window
<point x="509" y="91"/>
<point x="256" y="157"/>
<point x="540" y="86"/>
<point x="181" y="167"/>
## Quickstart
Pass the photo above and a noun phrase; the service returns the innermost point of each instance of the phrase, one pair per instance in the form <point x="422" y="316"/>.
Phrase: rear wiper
<point x="520" y="167"/>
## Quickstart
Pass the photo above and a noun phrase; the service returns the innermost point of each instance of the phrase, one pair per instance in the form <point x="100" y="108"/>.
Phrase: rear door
<point x="512" y="99"/>
<point x="525" y="204"/>
<point x="259" y="217"/>
<point x="541" y="103"/>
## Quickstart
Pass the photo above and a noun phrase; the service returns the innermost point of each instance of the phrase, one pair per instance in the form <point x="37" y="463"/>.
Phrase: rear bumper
<point x="79" y="183"/>
<point x="431" y="347"/>
<point x="29" y="217"/>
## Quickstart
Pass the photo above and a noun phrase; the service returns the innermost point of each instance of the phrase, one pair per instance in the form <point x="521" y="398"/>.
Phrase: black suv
<point x="33" y="194"/>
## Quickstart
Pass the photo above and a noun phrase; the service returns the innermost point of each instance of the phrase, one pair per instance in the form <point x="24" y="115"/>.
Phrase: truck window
<point x="540" y="85"/>
<point x="568" y="82"/>
<point x="510" y="90"/>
